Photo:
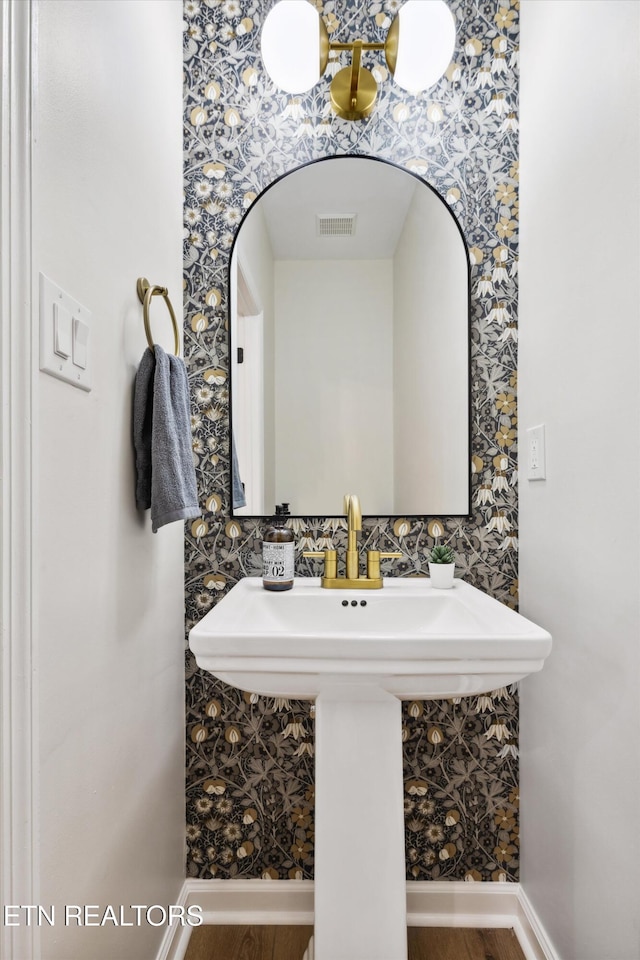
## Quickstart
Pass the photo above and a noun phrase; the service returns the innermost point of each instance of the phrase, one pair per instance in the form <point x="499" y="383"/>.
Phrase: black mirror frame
<point x="382" y="516"/>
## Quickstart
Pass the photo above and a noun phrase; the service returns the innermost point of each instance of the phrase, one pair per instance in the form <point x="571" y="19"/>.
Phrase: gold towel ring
<point x="146" y="291"/>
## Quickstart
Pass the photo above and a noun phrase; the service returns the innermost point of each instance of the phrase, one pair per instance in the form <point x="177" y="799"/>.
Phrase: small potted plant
<point x="442" y="563"/>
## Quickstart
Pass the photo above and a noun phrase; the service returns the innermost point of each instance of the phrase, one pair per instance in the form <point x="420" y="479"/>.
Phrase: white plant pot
<point x="441" y="575"/>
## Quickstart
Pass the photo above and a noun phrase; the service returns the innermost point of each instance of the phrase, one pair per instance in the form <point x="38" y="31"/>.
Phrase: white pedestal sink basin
<point x="409" y="639"/>
<point x="357" y="653"/>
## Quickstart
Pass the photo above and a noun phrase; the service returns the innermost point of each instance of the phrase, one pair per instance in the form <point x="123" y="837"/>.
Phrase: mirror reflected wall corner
<point x="349" y="333"/>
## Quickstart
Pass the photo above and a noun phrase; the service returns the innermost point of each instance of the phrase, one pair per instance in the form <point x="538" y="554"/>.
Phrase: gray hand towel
<point x="142" y="413"/>
<point x="161" y="403"/>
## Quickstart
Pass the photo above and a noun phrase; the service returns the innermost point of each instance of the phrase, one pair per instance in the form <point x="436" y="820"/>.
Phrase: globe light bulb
<point x="426" y="40"/>
<point x="291" y="45"/>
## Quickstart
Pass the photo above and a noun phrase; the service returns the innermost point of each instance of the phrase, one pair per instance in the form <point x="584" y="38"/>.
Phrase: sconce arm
<point x="351" y="45"/>
<point x="355" y="72"/>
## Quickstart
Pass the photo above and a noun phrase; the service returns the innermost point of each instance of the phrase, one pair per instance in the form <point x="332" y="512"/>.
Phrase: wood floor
<point x="289" y="943"/>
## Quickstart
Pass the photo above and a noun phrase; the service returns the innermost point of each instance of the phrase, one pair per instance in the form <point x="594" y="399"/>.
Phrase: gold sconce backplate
<point x="365" y="98"/>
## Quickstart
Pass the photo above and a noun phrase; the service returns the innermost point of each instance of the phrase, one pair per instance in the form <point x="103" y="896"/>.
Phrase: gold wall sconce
<point x="296" y="46"/>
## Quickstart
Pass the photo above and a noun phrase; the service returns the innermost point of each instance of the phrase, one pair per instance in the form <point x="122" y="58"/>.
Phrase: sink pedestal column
<point x="360" y="874"/>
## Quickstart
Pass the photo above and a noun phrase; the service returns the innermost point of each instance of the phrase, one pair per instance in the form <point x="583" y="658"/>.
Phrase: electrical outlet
<point x="534" y="453"/>
<point x="536" y="465"/>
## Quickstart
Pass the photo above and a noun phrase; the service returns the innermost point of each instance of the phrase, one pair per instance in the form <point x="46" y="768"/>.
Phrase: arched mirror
<point x="349" y="335"/>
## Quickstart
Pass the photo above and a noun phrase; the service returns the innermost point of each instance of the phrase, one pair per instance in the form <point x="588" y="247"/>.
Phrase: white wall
<point x="580" y="529"/>
<point x="333" y="368"/>
<point x="107" y="202"/>
<point x="430" y="362"/>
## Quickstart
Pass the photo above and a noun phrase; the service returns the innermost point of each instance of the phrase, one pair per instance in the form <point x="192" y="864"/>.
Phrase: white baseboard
<point x="429" y="904"/>
<point x="533" y="928"/>
<point x="176" y="939"/>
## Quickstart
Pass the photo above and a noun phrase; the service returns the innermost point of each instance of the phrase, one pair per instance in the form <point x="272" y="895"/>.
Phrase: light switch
<point x="61" y="331"/>
<point x="65" y="328"/>
<point x="80" y="343"/>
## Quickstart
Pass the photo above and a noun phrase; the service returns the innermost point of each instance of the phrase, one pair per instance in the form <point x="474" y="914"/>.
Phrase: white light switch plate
<point x="536" y="454"/>
<point x="55" y="307"/>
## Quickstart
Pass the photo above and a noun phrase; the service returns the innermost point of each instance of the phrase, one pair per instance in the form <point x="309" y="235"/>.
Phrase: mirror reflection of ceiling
<point x="291" y="210"/>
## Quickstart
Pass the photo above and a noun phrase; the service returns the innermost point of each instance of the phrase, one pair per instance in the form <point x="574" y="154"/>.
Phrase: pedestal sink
<point x="357" y="654"/>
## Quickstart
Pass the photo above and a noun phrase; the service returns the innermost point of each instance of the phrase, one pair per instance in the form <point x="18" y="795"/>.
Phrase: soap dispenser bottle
<point x="278" y="554"/>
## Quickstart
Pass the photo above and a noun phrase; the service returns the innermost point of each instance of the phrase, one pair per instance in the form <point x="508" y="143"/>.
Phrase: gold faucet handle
<point x="330" y="558"/>
<point x="373" y="561"/>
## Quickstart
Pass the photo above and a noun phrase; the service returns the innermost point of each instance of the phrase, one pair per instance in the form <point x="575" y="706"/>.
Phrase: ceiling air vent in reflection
<point x="336" y="224"/>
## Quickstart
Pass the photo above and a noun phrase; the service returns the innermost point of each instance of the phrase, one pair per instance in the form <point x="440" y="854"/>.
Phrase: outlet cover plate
<point x="536" y="454"/>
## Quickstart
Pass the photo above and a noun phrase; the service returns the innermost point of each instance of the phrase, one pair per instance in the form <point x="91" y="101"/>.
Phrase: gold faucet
<point x="352" y="579"/>
<point x="354" y="526"/>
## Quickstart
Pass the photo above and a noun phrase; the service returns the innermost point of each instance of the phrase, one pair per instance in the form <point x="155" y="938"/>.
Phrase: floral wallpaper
<point x="250" y="759"/>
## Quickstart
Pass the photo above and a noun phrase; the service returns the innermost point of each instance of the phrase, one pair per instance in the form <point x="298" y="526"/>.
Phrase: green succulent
<point x="442" y="555"/>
